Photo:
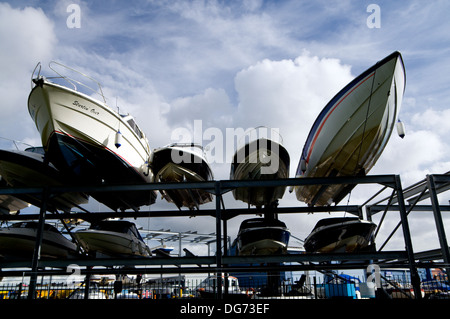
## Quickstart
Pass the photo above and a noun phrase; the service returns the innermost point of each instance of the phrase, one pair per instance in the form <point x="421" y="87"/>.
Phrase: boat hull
<point x="259" y="236"/>
<point x="21" y="241"/>
<point x="28" y="169"/>
<point x="10" y="205"/>
<point x="114" y="238"/>
<point x="193" y="169"/>
<point x="79" y="136"/>
<point x="111" y="243"/>
<point x="340" y="235"/>
<point x="352" y="130"/>
<point x="248" y="165"/>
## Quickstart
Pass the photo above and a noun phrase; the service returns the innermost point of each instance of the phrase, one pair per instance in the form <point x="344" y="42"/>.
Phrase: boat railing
<point x="72" y="81"/>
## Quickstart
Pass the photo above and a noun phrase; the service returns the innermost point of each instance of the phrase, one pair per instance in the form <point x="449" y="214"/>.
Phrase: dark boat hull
<point x="91" y="165"/>
<point x="340" y="235"/>
<point x="259" y="236"/>
<point x="247" y="165"/>
<point x="192" y="168"/>
<point x="29" y="169"/>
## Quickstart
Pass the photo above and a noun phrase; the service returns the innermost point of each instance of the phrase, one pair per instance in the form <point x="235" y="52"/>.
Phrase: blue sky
<point x="240" y="64"/>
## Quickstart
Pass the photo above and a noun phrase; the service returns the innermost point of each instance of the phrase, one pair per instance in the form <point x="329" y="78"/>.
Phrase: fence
<point x="303" y="287"/>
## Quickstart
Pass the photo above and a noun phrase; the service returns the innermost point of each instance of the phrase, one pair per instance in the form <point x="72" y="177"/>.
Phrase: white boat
<point x="29" y="169"/>
<point x="352" y="130"/>
<point x="113" y="238"/>
<point x="86" y="139"/>
<point x="262" y="236"/>
<point x="164" y="249"/>
<point x="208" y="288"/>
<point x="261" y="158"/>
<point x="20" y="239"/>
<point x="340" y="234"/>
<point x="182" y="163"/>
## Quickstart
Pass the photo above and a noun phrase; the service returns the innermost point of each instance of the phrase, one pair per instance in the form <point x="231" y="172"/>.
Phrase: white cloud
<point x="27" y="37"/>
<point x="288" y="95"/>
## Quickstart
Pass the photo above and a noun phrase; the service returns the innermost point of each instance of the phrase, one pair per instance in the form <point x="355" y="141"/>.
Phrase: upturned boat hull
<point x="80" y="135"/>
<point x="352" y="130"/>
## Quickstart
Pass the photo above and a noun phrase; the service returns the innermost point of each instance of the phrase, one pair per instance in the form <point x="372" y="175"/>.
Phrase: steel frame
<point x="221" y="262"/>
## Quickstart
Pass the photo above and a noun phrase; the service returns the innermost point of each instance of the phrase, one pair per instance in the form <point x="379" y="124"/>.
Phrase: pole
<point x="415" y="280"/>
<point x="38" y="245"/>
<point x="218" y="240"/>
<point x="439" y="223"/>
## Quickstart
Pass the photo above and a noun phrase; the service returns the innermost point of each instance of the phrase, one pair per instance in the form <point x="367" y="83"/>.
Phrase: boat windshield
<point x="132" y="123"/>
<point x="118" y="227"/>
<point x="39" y="150"/>
<point x="34" y="225"/>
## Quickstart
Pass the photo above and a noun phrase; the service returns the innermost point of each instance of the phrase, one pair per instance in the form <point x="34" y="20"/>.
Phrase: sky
<point x="240" y="64"/>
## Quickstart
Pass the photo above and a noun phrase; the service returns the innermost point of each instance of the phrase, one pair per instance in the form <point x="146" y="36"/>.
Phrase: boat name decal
<point x="84" y="107"/>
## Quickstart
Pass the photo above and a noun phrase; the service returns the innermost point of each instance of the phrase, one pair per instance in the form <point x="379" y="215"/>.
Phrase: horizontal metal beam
<point x="224" y="185"/>
<point x="417" y="208"/>
<point x="207" y="260"/>
<point x="230" y="264"/>
<point x="227" y="213"/>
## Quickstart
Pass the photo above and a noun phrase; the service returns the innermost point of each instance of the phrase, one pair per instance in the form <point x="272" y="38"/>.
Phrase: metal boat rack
<point x="222" y="262"/>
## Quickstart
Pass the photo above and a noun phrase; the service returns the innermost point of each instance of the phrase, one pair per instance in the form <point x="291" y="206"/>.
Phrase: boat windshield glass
<point x="117" y="226"/>
<point x="39" y="150"/>
<point x="135" y="127"/>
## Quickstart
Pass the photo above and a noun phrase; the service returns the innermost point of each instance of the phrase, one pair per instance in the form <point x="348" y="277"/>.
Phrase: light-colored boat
<point x="182" y="163"/>
<point x="113" y="238"/>
<point x="29" y="169"/>
<point x="20" y="239"/>
<point x="208" y="288"/>
<point x="260" y="158"/>
<point x="340" y="234"/>
<point x="352" y="130"/>
<point x="88" y="140"/>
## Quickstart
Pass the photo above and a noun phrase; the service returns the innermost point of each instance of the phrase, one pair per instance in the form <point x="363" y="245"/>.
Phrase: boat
<point x="113" y="238"/>
<point x="261" y="158"/>
<point x="352" y="131"/>
<point x="262" y="236"/>
<point x="164" y="249"/>
<point x="339" y="234"/>
<point x="178" y="163"/>
<point x="19" y="239"/>
<point x="28" y="168"/>
<point x="208" y="288"/>
<point x="10" y="204"/>
<point x="89" y="141"/>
